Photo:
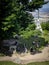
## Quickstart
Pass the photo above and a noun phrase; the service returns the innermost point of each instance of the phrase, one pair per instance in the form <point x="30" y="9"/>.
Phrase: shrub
<point x="37" y="32"/>
<point x="31" y="27"/>
<point x="28" y="41"/>
<point x="45" y="25"/>
<point x="46" y="35"/>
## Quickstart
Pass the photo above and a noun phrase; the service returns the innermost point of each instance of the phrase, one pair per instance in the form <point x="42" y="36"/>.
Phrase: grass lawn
<point x="34" y="63"/>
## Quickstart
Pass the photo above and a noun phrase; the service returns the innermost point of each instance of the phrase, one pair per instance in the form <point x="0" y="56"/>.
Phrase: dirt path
<point x="27" y="58"/>
<point x="44" y="56"/>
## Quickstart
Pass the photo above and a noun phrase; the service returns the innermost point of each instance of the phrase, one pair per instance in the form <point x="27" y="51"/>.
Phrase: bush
<point x="31" y="27"/>
<point x="45" y="25"/>
<point x="28" y="41"/>
<point x="29" y="36"/>
<point x="46" y="35"/>
<point x="37" y="32"/>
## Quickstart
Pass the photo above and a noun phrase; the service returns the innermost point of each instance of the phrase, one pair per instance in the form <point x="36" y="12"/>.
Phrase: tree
<point x="13" y="15"/>
<point x="13" y="18"/>
<point x="4" y="9"/>
<point x="31" y="5"/>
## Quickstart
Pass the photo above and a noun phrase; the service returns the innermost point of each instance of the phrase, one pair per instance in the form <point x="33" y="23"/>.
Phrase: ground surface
<point x="27" y="58"/>
<point x="33" y="63"/>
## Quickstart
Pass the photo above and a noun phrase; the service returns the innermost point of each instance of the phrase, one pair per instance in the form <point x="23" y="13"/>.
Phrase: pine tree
<point x="13" y="15"/>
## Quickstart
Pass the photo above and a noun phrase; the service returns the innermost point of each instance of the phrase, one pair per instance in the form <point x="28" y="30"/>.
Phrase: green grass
<point x="7" y="63"/>
<point x="33" y="63"/>
<point x="39" y="63"/>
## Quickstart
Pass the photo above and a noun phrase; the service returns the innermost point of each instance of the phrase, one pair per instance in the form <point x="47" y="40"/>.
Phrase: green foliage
<point x="29" y="36"/>
<point x="46" y="35"/>
<point x="14" y="18"/>
<point x="31" y="5"/>
<point x="35" y="4"/>
<point x="45" y="25"/>
<point x="20" y="23"/>
<point x="29" y="32"/>
<point x="31" y="27"/>
<point x="37" y="32"/>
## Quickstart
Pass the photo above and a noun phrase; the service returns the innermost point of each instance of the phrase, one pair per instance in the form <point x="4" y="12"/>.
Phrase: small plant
<point x="45" y="25"/>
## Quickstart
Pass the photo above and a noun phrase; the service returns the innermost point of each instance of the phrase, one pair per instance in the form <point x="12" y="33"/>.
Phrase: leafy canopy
<point x="13" y="16"/>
